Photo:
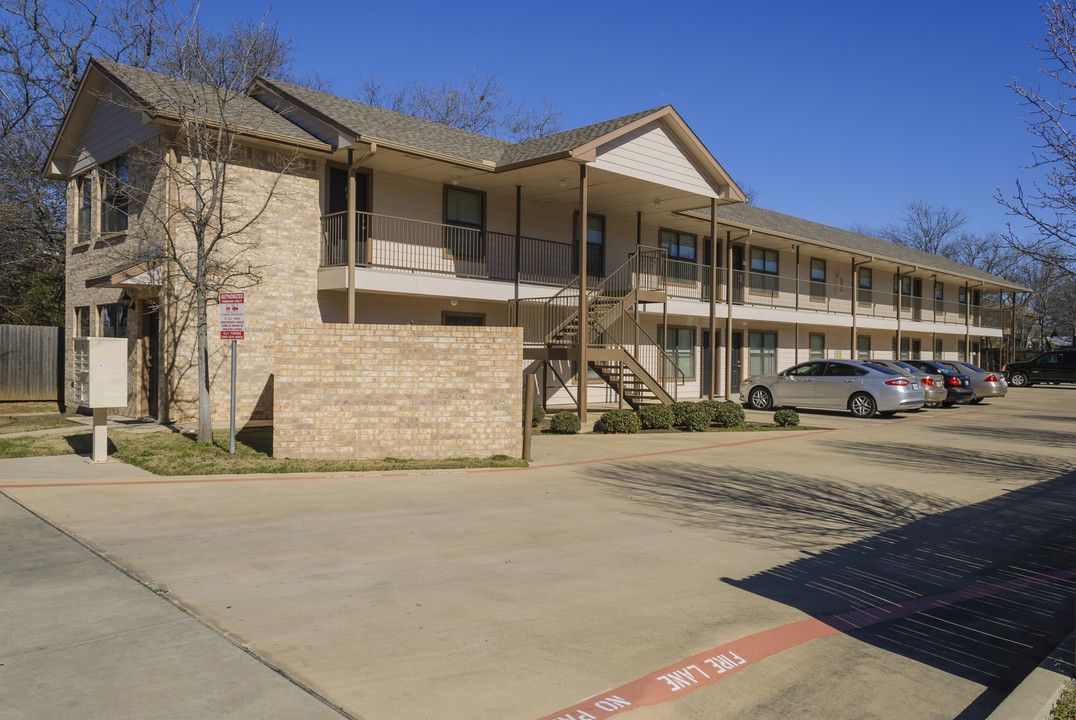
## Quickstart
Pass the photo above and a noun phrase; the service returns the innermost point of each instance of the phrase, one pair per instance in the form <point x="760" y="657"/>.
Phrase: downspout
<point x="855" y="303"/>
<point x="728" y="302"/>
<point x="713" y="298"/>
<point x="352" y="211"/>
<point x="900" y="311"/>
<point x="584" y="323"/>
<point x="519" y="235"/>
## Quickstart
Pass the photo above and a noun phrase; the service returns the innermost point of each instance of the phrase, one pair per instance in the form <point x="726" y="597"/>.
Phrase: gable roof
<point x="775" y="223"/>
<point x="163" y="97"/>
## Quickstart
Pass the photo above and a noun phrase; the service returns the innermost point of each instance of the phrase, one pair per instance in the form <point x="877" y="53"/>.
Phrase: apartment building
<point x="384" y="219"/>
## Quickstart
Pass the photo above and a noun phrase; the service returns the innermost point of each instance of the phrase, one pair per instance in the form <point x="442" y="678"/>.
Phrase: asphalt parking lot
<point x="915" y="567"/>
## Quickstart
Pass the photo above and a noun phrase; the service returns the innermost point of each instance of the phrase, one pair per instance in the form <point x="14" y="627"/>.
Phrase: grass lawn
<point x="180" y="454"/>
<point x="1066" y="704"/>
<point x="26" y="423"/>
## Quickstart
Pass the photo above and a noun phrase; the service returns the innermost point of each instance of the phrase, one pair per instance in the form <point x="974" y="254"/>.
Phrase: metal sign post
<point x="232" y="327"/>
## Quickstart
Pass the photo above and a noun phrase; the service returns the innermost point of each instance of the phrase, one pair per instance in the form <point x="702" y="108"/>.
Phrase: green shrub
<point x="696" y="417"/>
<point x="655" y="417"/>
<point x="729" y="414"/>
<point x="680" y="411"/>
<point x="618" y="421"/>
<point x="711" y="407"/>
<point x="786" y="418"/>
<point x="537" y="415"/>
<point x="565" y="423"/>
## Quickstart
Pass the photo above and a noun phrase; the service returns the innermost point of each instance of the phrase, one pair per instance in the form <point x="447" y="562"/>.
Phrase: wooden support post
<point x="528" y="410"/>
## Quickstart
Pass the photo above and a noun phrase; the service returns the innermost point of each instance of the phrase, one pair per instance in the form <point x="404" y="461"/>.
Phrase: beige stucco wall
<point x="375" y="391"/>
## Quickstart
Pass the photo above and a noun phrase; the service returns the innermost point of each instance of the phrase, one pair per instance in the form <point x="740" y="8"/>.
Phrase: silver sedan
<point x="983" y="382"/>
<point x="861" y="389"/>
<point x="933" y="385"/>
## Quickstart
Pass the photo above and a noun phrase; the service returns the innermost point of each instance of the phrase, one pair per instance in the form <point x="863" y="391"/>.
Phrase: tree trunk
<point x="205" y="411"/>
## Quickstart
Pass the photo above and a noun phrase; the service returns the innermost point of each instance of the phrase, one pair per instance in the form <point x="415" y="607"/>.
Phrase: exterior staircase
<point x="552" y="329"/>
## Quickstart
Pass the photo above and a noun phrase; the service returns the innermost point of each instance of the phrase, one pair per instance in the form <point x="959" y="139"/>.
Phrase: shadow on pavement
<point x="899" y="546"/>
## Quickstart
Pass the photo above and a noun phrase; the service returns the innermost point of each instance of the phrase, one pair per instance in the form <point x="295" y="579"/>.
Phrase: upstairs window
<point x="84" y="186"/>
<point x="764" y="270"/>
<point x="465" y="211"/>
<point x="818" y="279"/>
<point x="866" y="283"/>
<point x="595" y="244"/>
<point x="681" y="248"/>
<point x="114" y="201"/>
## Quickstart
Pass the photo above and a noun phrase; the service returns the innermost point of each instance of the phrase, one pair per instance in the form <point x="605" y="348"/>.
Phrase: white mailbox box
<point x="100" y="383"/>
<point x="101" y="372"/>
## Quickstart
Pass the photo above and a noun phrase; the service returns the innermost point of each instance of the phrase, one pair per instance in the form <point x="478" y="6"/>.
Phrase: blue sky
<point x="837" y="112"/>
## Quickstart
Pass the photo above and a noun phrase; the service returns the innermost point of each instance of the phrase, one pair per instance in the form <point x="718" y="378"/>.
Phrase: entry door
<point x="336" y="202"/>
<point x="150" y="359"/>
<point x="735" y="358"/>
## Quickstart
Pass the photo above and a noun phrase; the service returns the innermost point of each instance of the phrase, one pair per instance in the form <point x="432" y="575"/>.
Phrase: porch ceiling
<point x="553" y="183"/>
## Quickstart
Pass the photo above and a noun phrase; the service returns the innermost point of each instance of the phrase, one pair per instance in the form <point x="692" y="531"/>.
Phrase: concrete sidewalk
<point x="79" y="638"/>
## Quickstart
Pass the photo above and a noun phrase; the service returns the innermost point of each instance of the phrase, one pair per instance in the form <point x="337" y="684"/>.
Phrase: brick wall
<point x="375" y="391"/>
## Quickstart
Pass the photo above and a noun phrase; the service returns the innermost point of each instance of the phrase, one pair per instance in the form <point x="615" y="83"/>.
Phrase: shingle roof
<point x="770" y="221"/>
<point x="160" y="93"/>
<point x="368" y="121"/>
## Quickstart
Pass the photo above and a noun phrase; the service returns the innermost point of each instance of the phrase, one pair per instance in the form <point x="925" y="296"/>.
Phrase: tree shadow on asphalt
<point x="790" y="512"/>
<point x="900" y="546"/>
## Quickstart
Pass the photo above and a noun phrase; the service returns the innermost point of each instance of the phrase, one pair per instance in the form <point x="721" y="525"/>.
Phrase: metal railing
<point x="418" y="246"/>
<point x="385" y="241"/>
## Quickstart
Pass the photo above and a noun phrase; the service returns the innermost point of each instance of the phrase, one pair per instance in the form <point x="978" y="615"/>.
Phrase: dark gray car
<point x="1057" y="366"/>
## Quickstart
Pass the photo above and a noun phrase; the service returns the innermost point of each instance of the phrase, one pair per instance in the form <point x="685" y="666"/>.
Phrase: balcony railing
<point x="418" y="246"/>
<point x="383" y="241"/>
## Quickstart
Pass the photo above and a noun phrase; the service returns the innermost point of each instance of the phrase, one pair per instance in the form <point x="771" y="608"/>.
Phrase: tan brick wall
<point x="375" y="391"/>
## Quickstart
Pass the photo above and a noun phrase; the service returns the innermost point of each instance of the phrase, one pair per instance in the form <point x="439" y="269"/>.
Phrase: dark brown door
<point x="150" y="357"/>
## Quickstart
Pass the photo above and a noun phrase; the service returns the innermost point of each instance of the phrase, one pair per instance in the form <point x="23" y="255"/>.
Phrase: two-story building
<point x="683" y="287"/>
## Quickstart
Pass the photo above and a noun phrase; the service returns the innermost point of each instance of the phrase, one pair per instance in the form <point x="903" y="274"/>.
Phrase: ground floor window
<point x="818" y="346"/>
<point x="113" y="320"/>
<point x="472" y="319"/>
<point x="763" y="357"/>
<point x="680" y="347"/>
<point x="82" y="320"/>
<point x="962" y="350"/>
<point x="905" y="349"/>
<point x="863" y="343"/>
<point x="937" y="349"/>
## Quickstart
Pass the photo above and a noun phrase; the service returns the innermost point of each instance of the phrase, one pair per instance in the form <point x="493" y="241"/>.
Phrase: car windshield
<point x="884" y="370"/>
<point x="973" y="368"/>
<point x="907" y="367"/>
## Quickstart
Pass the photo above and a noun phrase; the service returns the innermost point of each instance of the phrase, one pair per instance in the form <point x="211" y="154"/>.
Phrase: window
<point x="764" y="270"/>
<point x="82" y="320"/>
<point x="682" y="254"/>
<point x="595" y="244"/>
<point x="465" y="211"/>
<point x="680" y="347"/>
<point x="84" y="186"/>
<point x="905" y="349"/>
<point x="114" y="203"/>
<point x="939" y="297"/>
<point x="937" y="349"/>
<point x="962" y="350"/>
<point x="113" y="320"/>
<point x="863" y="343"/>
<point x="463" y="319"/>
<point x="818" y="279"/>
<point x="818" y="346"/>
<point x="866" y="281"/>
<point x="763" y="355"/>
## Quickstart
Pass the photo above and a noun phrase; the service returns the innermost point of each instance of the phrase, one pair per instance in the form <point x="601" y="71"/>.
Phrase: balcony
<point x="422" y="247"/>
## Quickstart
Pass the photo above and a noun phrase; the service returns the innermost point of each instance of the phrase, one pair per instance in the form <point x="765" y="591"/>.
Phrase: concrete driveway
<point x="915" y="568"/>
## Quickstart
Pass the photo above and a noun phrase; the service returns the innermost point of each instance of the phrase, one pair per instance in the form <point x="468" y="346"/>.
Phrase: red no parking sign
<point x="232" y="315"/>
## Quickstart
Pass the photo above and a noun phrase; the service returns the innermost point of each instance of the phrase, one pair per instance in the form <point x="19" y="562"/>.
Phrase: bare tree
<point x="474" y="102"/>
<point x="1046" y="207"/>
<point x="199" y="214"/>
<point x="930" y="228"/>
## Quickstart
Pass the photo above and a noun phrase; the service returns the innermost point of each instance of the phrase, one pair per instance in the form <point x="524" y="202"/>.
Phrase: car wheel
<point x="760" y="399"/>
<point x="976" y="400"/>
<point x="862" y="405"/>
<point x="1019" y="380"/>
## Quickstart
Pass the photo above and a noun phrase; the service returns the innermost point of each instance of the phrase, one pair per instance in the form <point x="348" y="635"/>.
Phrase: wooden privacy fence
<point x="31" y="362"/>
